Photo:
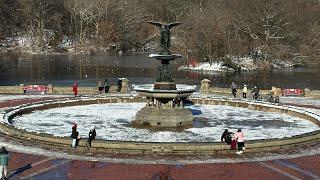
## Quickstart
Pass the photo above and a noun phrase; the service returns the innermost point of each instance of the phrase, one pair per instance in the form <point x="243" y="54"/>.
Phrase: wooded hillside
<point x="211" y="29"/>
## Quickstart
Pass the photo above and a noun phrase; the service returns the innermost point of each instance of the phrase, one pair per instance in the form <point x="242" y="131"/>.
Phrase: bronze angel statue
<point x="165" y="34"/>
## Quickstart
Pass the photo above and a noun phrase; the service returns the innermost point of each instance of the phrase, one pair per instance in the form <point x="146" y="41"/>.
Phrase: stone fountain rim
<point x="181" y="148"/>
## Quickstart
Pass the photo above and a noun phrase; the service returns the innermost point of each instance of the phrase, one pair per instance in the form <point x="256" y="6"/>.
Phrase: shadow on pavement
<point x="19" y="170"/>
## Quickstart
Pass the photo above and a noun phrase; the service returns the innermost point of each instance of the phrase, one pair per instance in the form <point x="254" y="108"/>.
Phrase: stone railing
<point x="65" y="90"/>
<point x="205" y="88"/>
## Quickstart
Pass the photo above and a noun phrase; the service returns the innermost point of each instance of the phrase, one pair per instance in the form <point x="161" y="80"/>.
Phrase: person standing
<point x="226" y="137"/>
<point x="239" y="137"/>
<point x="106" y="86"/>
<point x="4" y="161"/>
<point x="75" y="89"/>
<point x="244" y="91"/>
<point x="234" y="89"/>
<point x="119" y="83"/>
<point x="100" y="86"/>
<point x="92" y="136"/>
<point x="255" y="92"/>
<point x="74" y="135"/>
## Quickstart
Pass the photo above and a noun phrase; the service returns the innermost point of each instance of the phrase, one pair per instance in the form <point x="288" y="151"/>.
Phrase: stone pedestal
<point x="125" y="85"/>
<point x="165" y="85"/>
<point x="164" y="117"/>
<point x="21" y="88"/>
<point x="307" y="92"/>
<point x="276" y="91"/>
<point x="50" y="89"/>
<point x="205" y="84"/>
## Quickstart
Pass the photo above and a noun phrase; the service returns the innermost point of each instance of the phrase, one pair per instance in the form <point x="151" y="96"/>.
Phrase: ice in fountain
<point x="164" y="98"/>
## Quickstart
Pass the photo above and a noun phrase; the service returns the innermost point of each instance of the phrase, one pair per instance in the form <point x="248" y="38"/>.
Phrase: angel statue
<point x="165" y="34"/>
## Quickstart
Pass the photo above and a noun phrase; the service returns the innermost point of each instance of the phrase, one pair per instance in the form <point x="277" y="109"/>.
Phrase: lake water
<point x="88" y="70"/>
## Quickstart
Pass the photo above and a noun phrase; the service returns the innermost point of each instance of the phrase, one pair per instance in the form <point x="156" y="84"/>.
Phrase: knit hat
<point x="74" y="125"/>
<point x="92" y="127"/>
<point x="3" y="149"/>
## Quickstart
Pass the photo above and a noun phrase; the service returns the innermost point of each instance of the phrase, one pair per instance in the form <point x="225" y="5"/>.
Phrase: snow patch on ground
<point x="206" y="67"/>
<point x="246" y="64"/>
<point x="19" y="97"/>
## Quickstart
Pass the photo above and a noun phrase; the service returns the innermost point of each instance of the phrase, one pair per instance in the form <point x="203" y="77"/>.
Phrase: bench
<point x="293" y="92"/>
<point x="35" y="89"/>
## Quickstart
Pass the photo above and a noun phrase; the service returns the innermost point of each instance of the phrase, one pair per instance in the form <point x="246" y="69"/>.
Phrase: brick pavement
<point x="46" y="168"/>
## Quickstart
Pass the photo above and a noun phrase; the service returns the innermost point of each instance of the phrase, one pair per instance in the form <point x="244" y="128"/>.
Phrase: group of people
<point x="234" y="140"/>
<point x="76" y="137"/>
<point x="106" y="86"/>
<point x="101" y="86"/>
<point x="254" y="92"/>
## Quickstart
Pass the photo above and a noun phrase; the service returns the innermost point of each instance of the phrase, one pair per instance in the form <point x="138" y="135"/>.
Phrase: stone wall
<point x="66" y="90"/>
<point x="205" y="88"/>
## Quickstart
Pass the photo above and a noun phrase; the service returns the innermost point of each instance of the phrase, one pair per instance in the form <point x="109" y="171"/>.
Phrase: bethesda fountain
<point x="164" y="106"/>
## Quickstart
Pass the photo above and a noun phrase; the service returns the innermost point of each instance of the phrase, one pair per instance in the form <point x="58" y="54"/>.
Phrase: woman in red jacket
<point x="75" y="89"/>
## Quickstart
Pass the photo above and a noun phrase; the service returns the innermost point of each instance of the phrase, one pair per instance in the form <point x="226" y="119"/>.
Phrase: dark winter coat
<point x="226" y="137"/>
<point x="92" y="134"/>
<point x="74" y="134"/>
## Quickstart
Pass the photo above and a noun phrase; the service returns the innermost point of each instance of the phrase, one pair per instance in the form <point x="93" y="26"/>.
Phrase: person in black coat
<point x="92" y="136"/>
<point x="226" y="137"/>
<point x="119" y="83"/>
<point x="74" y="136"/>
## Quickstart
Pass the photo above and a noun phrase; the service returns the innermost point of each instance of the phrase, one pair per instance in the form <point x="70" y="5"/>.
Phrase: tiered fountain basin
<point x="161" y="110"/>
<point x="182" y="91"/>
<point x="293" y="125"/>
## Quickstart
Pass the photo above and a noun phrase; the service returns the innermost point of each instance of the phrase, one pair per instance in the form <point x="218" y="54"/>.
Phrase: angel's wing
<point x="174" y="24"/>
<point x="155" y="23"/>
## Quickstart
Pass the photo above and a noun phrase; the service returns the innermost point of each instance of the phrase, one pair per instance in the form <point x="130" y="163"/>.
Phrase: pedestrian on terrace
<point x="244" y="91"/>
<point x="75" y="89"/>
<point x="239" y="137"/>
<point x="75" y="136"/>
<point x="234" y="89"/>
<point x="92" y="136"/>
<point x="4" y="161"/>
<point x="100" y="86"/>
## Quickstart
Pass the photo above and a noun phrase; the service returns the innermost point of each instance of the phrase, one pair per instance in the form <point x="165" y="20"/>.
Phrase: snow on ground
<point x="246" y="63"/>
<point x="113" y="122"/>
<point x="206" y="67"/>
<point x="25" y="96"/>
<point x="300" y="101"/>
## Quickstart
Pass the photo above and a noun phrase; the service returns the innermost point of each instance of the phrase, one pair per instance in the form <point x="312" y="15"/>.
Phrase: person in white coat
<point x="244" y="91"/>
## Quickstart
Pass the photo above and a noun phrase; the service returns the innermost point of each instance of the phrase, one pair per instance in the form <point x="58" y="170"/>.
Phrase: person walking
<point x="92" y="136"/>
<point x="74" y="136"/>
<point x="75" y="89"/>
<point x="239" y="137"/>
<point x="234" y="89"/>
<point x="4" y="161"/>
<point x="244" y="91"/>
